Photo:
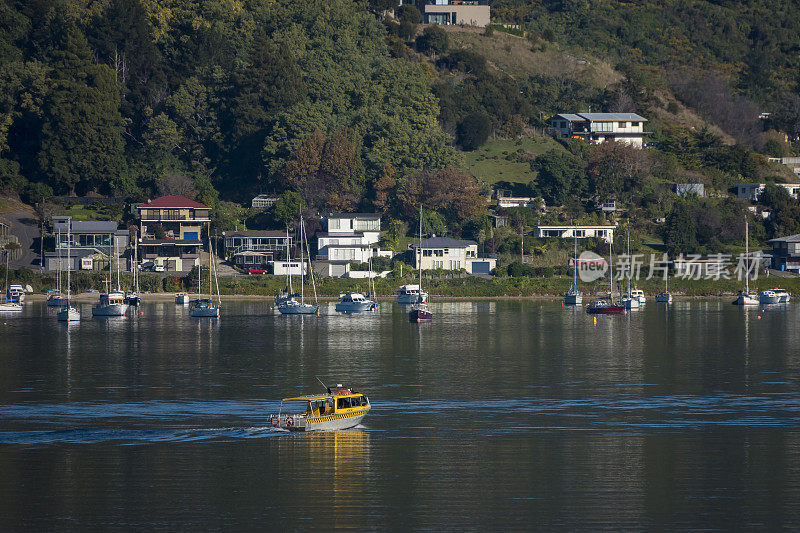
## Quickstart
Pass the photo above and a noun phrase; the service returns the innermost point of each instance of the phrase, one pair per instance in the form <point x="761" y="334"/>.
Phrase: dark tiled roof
<point x="354" y="215"/>
<point x="172" y="202"/>
<point x="256" y="233"/>
<point x="444" y="242"/>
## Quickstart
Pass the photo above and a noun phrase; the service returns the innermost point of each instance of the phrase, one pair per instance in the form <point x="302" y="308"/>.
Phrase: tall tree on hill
<point x="82" y="126"/>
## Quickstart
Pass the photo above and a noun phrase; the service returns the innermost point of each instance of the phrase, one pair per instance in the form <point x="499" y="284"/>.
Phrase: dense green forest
<point x="337" y="106"/>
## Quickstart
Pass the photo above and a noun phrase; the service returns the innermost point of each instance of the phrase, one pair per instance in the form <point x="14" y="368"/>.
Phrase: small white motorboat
<point x="182" y="298"/>
<point x="411" y="294"/>
<point x="746" y="298"/>
<point x="354" y="302"/>
<point x="639" y="295"/>
<point x="16" y="294"/>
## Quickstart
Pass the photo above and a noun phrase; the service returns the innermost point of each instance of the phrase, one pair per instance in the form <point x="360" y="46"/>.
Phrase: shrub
<point x="474" y="130"/>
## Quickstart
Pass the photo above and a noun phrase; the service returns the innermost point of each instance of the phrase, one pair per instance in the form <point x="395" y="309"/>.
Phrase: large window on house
<point x="602" y="126"/>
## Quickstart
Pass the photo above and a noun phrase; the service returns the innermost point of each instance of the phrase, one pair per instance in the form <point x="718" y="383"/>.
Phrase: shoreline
<point x="166" y="297"/>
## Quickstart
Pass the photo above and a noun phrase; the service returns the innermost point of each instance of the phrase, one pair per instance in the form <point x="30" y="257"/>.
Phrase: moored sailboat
<point x="607" y="306"/>
<point x="204" y="307"/>
<point x="291" y="306"/>
<point x="746" y="297"/>
<point x="67" y="312"/>
<point x="420" y="311"/>
<point x="574" y="296"/>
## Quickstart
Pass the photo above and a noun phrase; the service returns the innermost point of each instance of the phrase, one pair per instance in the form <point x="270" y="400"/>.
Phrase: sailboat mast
<point x="611" y="264"/>
<point x="304" y="238"/>
<point x="419" y="263"/>
<point x="747" y="257"/>
<point x="302" y="285"/>
<point x="288" y="263"/>
<point x="575" y="264"/>
<point x="69" y="259"/>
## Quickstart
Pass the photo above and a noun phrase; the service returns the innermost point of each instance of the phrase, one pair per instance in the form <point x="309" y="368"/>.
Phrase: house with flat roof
<point x="599" y="127"/>
<point x="451" y="254"/>
<point x="606" y="233"/>
<point x="751" y="191"/>
<point x="252" y="247"/>
<point x="349" y="237"/>
<point x="171" y="230"/>
<point x="96" y="239"/>
<point x="455" y="12"/>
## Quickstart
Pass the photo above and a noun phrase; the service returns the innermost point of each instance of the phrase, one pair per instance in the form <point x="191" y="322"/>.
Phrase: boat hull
<point x="419" y="315"/>
<point x="744" y="300"/>
<point x="110" y="310"/>
<point x="631" y="303"/>
<point x="205" y="312"/>
<point x="299" y="309"/>
<point x="411" y="299"/>
<point x="768" y="299"/>
<point x="354" y="307"/>
<point x="69" y="314"/>
<point x="610" y="310"/>
<point x="323" y="423"/>
<point x="664" y="298"/>
<point x="10" y="307"/>
<point x="573" y="299"/>
<point x="182" y="299"/>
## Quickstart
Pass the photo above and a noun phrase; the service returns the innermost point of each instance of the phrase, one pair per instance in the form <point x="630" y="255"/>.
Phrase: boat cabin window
<point x="343" y="403"/>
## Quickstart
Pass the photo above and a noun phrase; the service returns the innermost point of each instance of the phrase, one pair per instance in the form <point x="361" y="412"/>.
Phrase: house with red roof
<point x="171" y="230"/>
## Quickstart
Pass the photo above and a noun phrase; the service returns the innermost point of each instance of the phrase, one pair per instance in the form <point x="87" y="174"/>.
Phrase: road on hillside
<point x="24" y="226"/>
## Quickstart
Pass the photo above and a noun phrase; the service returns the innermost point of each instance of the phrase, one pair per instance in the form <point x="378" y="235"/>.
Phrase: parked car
<point x="158" y="268"/>
<point x="254" y="270"/>
<point x="147" y="266"/>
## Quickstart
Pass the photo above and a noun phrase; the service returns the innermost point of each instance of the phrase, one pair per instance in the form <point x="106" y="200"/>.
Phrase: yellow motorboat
<point x="340" y="408"/>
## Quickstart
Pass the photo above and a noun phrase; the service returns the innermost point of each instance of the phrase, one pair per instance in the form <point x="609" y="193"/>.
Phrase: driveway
<point x="26" y="229"/>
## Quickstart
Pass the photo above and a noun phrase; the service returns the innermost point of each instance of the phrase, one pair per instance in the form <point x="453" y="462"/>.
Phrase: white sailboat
<point x="630" y="301"/>
<point x="9" y="306"/>
<point x="746" y="297"/>
<point x="56" y="298"/>
<point x="204" y="307"/>
<point x="112" y="303"/>
<point x="69" y="313"/>
<point x="420" y="311"/>
<point x="291" y="306"/>
<point x="574" y="296"/>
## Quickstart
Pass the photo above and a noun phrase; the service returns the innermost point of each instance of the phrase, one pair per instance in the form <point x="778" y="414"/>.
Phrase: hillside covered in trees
<point x="338" y="106"/>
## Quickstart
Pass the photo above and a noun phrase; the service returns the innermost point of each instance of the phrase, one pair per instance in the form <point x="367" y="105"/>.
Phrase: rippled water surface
<point x="498" y="415"/>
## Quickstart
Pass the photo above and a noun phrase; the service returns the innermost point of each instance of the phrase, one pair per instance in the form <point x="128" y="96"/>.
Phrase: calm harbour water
<point x="498" y="415"/>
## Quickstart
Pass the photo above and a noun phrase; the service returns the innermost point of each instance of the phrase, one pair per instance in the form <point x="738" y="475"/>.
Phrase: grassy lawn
<point x="83" y="213"/>
<point x="495" y="160"/>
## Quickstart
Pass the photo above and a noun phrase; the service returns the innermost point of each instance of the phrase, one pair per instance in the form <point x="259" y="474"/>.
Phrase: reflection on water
<point x="495" y="415"/>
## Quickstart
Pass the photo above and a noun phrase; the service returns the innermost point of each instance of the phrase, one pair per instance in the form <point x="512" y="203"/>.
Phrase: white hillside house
<point x="599" y="127"/>
<point x="606" y="233"/>
<point x="351" y="237"/>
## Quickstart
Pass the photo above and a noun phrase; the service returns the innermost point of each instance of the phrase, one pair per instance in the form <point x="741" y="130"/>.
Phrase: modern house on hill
<point x="599" y="127"/>
<point x="606" y="233"/>
<point x="350" y="237"/>
<point x="751" y="191"/>
<point x="453" y="12"/>
<point x="171" y="231"/>
<point x="451" y="254"/>
<point x="251" y="247"/>
<point x="89" y="241"/>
